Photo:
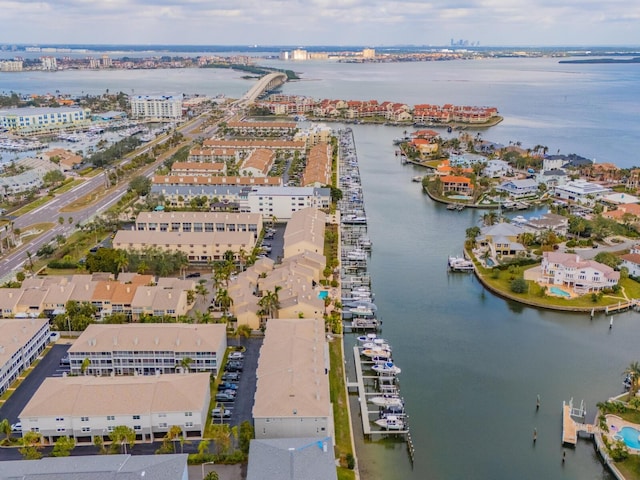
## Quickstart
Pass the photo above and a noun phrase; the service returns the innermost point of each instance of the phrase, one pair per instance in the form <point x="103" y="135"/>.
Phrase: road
<point x="51" y="211"/>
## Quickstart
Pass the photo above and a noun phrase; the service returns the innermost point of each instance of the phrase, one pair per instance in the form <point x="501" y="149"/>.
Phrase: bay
<point x="472" y="363"/>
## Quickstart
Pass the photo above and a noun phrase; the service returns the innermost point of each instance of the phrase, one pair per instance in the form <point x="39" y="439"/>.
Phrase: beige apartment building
<point x="305" y="232"/>
<point x="196" y="222"/>
<point x="258" y="163"/>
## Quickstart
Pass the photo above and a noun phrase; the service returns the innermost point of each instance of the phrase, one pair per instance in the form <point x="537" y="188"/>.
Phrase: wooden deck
<point x="569" y="428"/>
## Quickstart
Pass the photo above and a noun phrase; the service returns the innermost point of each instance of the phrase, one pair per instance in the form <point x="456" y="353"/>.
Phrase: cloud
<point x="514" y="22"/>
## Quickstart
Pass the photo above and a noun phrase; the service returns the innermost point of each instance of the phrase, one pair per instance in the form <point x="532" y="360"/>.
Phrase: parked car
<point x="220" y="413"/>
<point x="16" y="427"/>
<point x="194" y="275"/>
<point x="64" y="361"/>
<point x="224" y="397"/>
<point x="231" y="377"/>
<point x="234" y="366"/>
<point x="227" y="386"/>
<point x="236" y="356"/>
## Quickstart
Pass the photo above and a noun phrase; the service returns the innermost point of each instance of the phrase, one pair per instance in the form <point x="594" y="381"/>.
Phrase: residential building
<point x="156" y="107"/>
<point x="99" y="467"/>
<point x="246" y="146"/>
<point x="291" y="458"/>
<point x="317" y="172"/>
<point x="519" y="188"/>
<point x="502" y="239"/>
<point x="624" y="213"/>
<point x="202" y="169"/>
<point x="632" y="262"/>
<point x="199" y="247"/>
<point x="200" y="154"/>
<point x="181" y="195"/>
<point x="258" y="163"/>
<point x="65" y="159"/>
<point x="148" y="348"/>
<point x="552" y="178"/>
<point x="580" y="191"/>
<point x="456" y="184"/>
<point x="21" y="341"/>
<point x="497" y="169"/>
<point x="195" y="180"/>
<point x="305" y="232"/>
<point x="557" y="224"/>
<point x="570" y="270"/>
<point x="617" y="198"/>
<point x="198" y="222"/>
<point x="292" y="391"/>
<point x="282" y="202"/>
<point x="84" y="407"/>
<point x="368" y="53"/>
<point x="425" y="147"/>
<point x="466" y="159"/>
<point x="11" y="66"/>
<point x="299" y="54"/>
<point x="262" y="128"/>
<point x="36" y="119"/>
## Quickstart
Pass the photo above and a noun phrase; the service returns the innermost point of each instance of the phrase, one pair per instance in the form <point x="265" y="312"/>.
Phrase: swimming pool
<point x="460" y="197"/>
<point x="559" y="292"/>
<point x="630" y="436"/>
<point x="323" y="294"/>
<point x="489" y="262"/>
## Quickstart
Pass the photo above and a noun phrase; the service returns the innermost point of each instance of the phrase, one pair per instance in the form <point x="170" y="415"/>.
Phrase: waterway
<point x="472" y="364"/>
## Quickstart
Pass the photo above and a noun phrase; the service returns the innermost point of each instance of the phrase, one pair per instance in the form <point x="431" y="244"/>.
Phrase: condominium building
<point x="199" y="168"/>
<point x="305" y="232"/>
<point x="43" y="118"/>
<point x="247" y="146"/>
<point x="149" y="348"/>
<point x="317" y="172"/>
<point x="198" y="222"/>
<point x="282" y="202"/>
<point x="157" y="107"/>
<point x="199" y="247"/>
<point x="292" y="391"/>
<point x="21" y="341"/>
<point x="85" y="407"/>
<point x="11" y="66"/>
<point x="258" y="163"/>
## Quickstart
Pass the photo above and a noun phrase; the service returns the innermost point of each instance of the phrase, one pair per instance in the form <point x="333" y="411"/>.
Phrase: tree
<point x="30" y="258"/>
<point x="608" y="259"/>
<point x="86" y="363"/>
<point x="270" y="302"/>
<point x="63" y="447"/>
<point x="519" y="285"/>
<point x="53" y="177"/>
<point x="489" y="218"/>
<point x="212" y="475"/>
<point x="224" y="300"/>
<point x="121" y="260"/>
<point x="120" y="437"/>
<point x="633" y="372"/>
<point x="31" y="446"/>
<point x="244" y="330"/>
<point x="61" y="220"/>
<point x="141" y="185"/>
<point x="185" y="363"/>
<point x="174" y="434"/>
<point x="245" y="436"/>
<point x="472" y="233"/>
<point x="5" y="428"/>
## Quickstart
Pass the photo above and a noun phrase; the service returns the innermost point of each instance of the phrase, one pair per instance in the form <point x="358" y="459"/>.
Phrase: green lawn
<point x="67" y="186"/>
<point x="32" y="206"/>
<point x="535" y="294"/>
<point x="340" y="402"/>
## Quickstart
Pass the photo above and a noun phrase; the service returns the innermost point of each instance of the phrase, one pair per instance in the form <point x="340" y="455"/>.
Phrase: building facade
<point x="43" y="118"/>
<point x="160" y="107"/>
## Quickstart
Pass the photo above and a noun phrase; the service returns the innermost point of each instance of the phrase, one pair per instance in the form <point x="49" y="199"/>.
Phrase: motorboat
<point x="365" y="323"/>
<point x="387" y="368"/>
<point x="365" y="243"/>
<point x="369" y="337"/>
<point x="357" y="254"/>
<point x="460" y="264"/>
<point x="390" y="422"/>
<point x="377" y="343"/>
<point x="377" y="352"/>
<point x="417" y="178"/>
<point x="362" y="311"/>
<point x="387" y="401"/>
<point x="397" y="410"/>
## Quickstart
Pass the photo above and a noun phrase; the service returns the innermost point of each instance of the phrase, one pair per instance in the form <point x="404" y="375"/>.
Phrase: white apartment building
<point x="208" y="222"/>
<point x="11" y="66"/>
<point x="43" y="118"/>
<point x="292" y="392"/>
<point x="148" y="348"/>
<point x="84" y="407"/>
<point x="582" y="275"/>
<point x="282" y="202"/>
<point x="581" y="191"/>
<point x="158" y="107"/>
<point x="21" y="341"/>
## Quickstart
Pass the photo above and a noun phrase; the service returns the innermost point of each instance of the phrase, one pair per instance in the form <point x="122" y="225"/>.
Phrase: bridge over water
<point x="266" y="83"/>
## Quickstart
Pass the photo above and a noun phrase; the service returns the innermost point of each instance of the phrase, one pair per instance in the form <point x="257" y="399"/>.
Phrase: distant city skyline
<point x="322" y="22"/>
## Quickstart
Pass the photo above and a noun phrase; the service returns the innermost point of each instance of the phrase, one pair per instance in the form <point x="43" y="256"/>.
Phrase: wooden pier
<point x="571" y="428"/>
<point x="621" y="307"/>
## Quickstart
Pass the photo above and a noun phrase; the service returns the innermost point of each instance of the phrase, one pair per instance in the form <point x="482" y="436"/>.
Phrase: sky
<point x="321" y="22"/>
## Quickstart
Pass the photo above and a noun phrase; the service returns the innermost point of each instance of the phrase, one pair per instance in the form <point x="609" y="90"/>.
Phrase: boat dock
<point x="622" y="306"/>
<point x="571" y="428"/>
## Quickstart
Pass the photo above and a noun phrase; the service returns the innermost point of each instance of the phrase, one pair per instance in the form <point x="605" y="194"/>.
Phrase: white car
<point x="16" y="427"/>
<point x="236" y="356"/>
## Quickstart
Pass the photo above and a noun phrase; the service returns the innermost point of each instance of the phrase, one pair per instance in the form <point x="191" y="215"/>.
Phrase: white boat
<point x="354" y="219"/>
<point x="371" y="323"/>
<point x="460" y="264"/>
<point x="369" y="337"/>
<point x="390" y="422"/>
<point x="357" y="255"/>
<point x="417" y="178"/>
<point x="387" y="401"/>
<point x="371" y="345"/>
<point x="387" y="368"/>
<point x="377" y="352"/>
<point x="365" y="243"/>
<point x="362" y="311"/>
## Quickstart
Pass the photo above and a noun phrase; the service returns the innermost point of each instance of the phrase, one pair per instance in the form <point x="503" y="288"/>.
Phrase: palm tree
<point x="224" y="300"/>
<point x="489" y="218"/>
<point x="185" y="363"/>
<point x="270" y="302"/>
<point x="30" y="258"/>
<point x="122" y="260"/>
<point x="201" y="289"/>
<point x="5" y="427"/>
<point x="174" y="434"/>
<point x="633" y="371"/>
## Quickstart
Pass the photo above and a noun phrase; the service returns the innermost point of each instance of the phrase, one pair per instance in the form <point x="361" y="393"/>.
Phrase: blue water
<point x="558" y="291"/>
<point x="460" y="197"/>
<point x="323" y="294"/>
<point x="630" y="437"/>
<point x="489" y="262"/>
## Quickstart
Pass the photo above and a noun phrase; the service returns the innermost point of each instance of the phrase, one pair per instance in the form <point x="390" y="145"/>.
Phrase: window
<point x="162" y="425"/>
<point x="188" y="424"/>
<point x="137" y="427"/>
<point x="61" y="429"/>
<point x="188" y="414"/>
<point x="136" y="417"/>
<point x="59" y="419"/>
<point x="111" y="417"/>
<point x="86" y="429"/>
<point x="84" y="419"/>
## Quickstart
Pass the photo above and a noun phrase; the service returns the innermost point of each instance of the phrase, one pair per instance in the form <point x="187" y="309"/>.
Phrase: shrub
<point x="351" y="461"/>
<point x="519" y="285"/>
<point x="61" y="264"/>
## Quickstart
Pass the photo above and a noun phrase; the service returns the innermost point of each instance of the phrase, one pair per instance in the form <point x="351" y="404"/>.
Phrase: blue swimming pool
<point x="323" y="294"/>
<point x="489" y="262"/>
<point x="559" y="292"/>
<point x="630" y="436"/>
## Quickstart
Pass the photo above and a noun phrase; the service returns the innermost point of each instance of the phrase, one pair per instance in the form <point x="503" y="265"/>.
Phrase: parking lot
<point x="242" y="406"/>
<point x="48" y="367"/>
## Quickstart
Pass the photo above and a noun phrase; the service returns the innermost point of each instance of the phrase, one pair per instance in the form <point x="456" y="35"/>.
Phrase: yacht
<point x="387" y="368"/>
<point x="390" y="422"/>
<point x="460" y="264"/>
<point x="387" y="401"/>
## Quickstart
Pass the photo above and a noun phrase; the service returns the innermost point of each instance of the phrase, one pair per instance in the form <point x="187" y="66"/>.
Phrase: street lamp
<point x="206" y="463"/>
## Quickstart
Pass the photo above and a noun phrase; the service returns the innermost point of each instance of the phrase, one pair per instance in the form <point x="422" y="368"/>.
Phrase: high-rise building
<point x="368" y="53"/>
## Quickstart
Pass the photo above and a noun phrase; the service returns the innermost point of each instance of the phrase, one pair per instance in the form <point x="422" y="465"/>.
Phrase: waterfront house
<point x="624" y="213"/>
<point x="632" y="262"/>
<point x="515" y="188"/>
<point x="445" y="168"/>
<point x="305" y="232"/>
<point x="580" y="191"/>
<point x="583" y="276"/>
<point x="502" y="239"/>
<point x="317" y="172"/>
<point x="552" y="178"/>
<point x="557" y="224"/>
<point x="456" y="184"/>
<point x="497" y="169"/>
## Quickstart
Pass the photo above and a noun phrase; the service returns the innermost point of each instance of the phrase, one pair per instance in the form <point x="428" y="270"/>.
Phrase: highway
<point x="51" y="211"/>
